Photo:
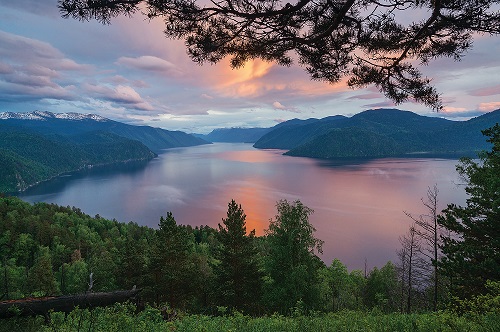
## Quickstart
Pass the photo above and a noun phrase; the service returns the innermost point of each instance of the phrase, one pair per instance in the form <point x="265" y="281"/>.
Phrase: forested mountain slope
<point x="295" y="132"/>
<point x="27" y="158"/>
<point x="381" y="133"/>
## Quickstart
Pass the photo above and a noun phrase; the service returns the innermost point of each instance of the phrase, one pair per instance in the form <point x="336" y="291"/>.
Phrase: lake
<point x="358" y="204"/>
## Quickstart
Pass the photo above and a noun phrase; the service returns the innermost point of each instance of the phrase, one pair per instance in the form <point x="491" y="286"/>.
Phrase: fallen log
<point x="65" y="303"/>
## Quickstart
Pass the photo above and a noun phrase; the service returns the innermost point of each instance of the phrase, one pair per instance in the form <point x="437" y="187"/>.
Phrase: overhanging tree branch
<point x="361" y="40"/>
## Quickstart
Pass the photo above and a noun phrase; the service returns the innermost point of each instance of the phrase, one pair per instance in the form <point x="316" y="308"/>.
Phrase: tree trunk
<point x="66" y="303"/>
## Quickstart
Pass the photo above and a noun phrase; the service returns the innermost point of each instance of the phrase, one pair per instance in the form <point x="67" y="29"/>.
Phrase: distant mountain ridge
<point x="379" y="133"/>
<point x="44" y="115"/>
<point x="235" y="135"/>
<point x="70" y="124"/>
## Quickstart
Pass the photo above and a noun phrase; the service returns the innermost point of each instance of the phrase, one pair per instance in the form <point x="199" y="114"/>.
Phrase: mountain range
<point x="379" y="133"/>
<point x="235" y="135"/>
<point x="71" y="124"/>
<point x="37" y="146"/>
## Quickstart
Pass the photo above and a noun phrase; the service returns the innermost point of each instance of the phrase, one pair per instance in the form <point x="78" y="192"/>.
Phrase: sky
<point x="129" y="72"/>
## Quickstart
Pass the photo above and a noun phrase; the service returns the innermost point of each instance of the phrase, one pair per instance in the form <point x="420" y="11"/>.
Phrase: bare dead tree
<point x="428" y="229"/>
<point x="411" y="267"/>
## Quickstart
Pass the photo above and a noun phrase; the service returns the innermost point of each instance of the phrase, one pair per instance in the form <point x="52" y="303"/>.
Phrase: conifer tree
<point x="170" y="263"/>
<point x="41" y="277"/>
<point x="472" y="250"/>
<point x="237" y="275"/>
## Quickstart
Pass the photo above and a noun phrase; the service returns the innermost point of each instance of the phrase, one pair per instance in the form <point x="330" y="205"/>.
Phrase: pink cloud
<point x="31" y="80"/>
<point x="5" y="68"/>
<point x="120" y="80"/>
<point x="150" y="63"/>
<point x="19" y="92"/>
<point x="463" y="113"/>
<point x="491" y="106"/>
<point x="367" y="96"/>
<point x="450" y="109"/>
<point x="382" y="104"/>
<point x="486" y="91"/>
<point x="32" y="53"/>
<point x="38" y="70"/>
<point x="121" y="94"/>
<point x="279" y="106"/>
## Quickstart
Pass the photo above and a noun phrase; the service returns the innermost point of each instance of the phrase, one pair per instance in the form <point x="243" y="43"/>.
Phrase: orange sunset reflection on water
<point x="358" y="205"/>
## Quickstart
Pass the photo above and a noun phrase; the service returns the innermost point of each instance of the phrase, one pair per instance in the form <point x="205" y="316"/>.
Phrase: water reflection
<point x="59" y="183"/>
<point x="358" y="206"/>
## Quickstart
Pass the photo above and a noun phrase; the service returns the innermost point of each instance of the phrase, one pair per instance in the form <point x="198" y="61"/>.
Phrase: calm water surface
<point x="358" y="204"/>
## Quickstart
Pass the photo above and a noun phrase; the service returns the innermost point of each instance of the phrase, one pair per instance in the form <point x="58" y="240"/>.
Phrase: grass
<point x="123" y="317"/>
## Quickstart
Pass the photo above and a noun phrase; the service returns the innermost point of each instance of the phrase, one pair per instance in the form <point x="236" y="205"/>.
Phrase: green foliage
<point x="47" y="249"/>
<point x="472" y="251"/>
<point x="480" y="304"/>
<point x="125" y="317"/>
<point x="351" y="142"/>
<point x="74" y="277"/>
<point x="170" y="264"/>
<point x="381" y="289"/>
<point x="292" y="265"/>
<point x="27" y="158"/>
<point x="41" y="277"/>
<point x="341" y="290"/>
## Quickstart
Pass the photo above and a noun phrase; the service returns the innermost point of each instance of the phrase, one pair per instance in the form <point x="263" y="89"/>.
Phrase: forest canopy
<point x="365" y="42"/>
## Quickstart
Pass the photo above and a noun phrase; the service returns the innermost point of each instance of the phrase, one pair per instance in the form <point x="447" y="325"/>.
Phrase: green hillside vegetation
<point x="380" y="133"/>
<point x="293" y="133"/>
<point x="28" y="157"/>
<point x="17" y="172"/>
<point x="349" y="142"/>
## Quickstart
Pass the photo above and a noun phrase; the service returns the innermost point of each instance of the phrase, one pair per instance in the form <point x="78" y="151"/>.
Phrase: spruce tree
<point x="237" y="274"/>
<point x="170" y="264"/>
<point x="472" y="250"/>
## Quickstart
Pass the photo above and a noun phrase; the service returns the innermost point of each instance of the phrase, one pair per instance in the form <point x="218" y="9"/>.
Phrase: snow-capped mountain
<point x="44" y="115"/>
<point x="73" y="124"/>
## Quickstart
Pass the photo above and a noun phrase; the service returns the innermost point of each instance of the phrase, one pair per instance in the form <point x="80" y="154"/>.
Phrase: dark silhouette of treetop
<point x="380" y="42"/>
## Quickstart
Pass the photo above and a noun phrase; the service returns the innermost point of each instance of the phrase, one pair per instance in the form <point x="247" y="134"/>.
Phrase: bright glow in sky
<point x="128" y="71"/>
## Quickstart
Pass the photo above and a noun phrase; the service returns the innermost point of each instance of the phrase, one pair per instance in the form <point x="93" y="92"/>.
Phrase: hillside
<point x="71" y="124"/>
<point x="235" y="135"/>
<point x="27" y="157"/>
<point x="295" y="132"/>
<point x="380" y="133"/>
